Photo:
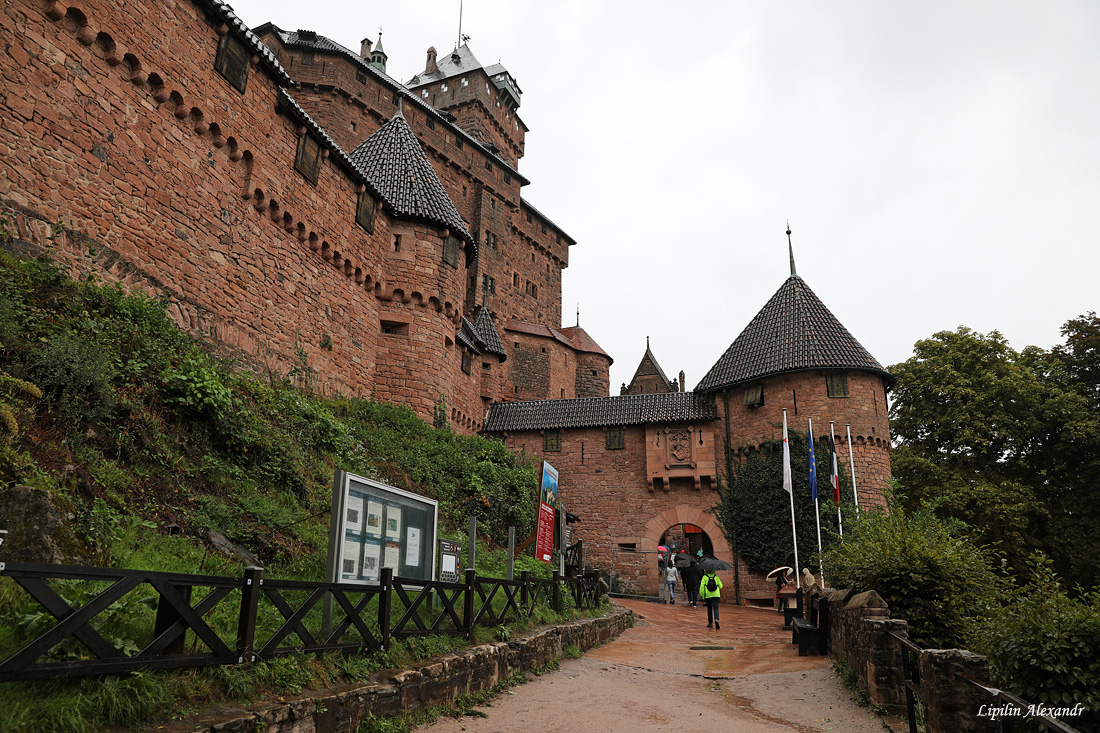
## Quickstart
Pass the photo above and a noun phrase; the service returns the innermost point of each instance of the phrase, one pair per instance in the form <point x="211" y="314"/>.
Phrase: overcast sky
<point x="939" y="162"/>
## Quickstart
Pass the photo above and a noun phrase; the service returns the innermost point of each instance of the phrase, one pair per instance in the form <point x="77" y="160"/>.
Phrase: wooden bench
<point x="812" y="633"/>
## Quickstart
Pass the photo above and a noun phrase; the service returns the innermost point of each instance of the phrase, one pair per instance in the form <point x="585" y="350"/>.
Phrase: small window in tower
<point x="487" y="238"/>
<point x="353" y="127"/>
<point x="431" y="122"/>
<point x="307" y="58"/>
<point x="507" y="177"/>
<point x="458" y="142"/>
<point x="488" y="284"/>
<point x="754" y="395"/>
<point x="361" y="76"/>
<point x="443" y="88"/>
<point x="616" y="439"/>
<point x="364" y="212"/>
<point x="528" y="217"/>
<point x="424" y="94"/>
<point x="515" y="279"/>
<point x="465" y="83"/>
<point x="488" y="166"/>
<point x="232" y="61"/>
<point x="395" y="328"/>
<point x="450" y="251"/>
<point x="467" y="361"/>
<point x="486" y="366"/>
<point x="494" y="244"/>
<point x="308" y="159"/>
<point x="544" y="229"/>
<point x="837" y="384"/>
<point x="493" y="204"/>
<point x="551" y="441"/>
<point x="396" y="242"/>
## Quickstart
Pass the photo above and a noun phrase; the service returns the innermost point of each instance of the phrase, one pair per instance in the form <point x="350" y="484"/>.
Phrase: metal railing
<point x="1022" y="710"/>
<point x="85" y="621"/>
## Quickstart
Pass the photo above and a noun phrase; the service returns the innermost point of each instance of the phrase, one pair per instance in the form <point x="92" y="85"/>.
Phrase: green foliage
<point x="756" y="510"/>
<point x="1007" y="442"/>
<point x="10" y="389"/>
<point x="929" y="575"/>
<point x="1045" y="646"/>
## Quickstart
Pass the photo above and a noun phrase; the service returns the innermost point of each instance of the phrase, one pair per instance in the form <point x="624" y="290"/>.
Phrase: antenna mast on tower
<point x="459" y="24"/>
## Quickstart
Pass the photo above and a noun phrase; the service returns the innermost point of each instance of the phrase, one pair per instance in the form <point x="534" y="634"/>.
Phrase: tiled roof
<point x="648" y="365"/>
<point x="591" y="412"/>
<point x="448" y="66"/>
<point x="226" y="13"/>
<point x="487" y="331"/>
<point x="792" y="332"/>
<point x="393" y="160"/>
<point x="467" y="336"/>
<point x="574" y="337"/>
<point x="527" y="204"/>
<point x="308" y="39"/>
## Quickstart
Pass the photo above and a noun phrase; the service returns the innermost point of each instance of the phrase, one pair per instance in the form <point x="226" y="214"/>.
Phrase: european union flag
<point x="813" y="471"/>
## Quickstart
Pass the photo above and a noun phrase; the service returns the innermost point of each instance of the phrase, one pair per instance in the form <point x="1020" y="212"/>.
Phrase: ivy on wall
<point x="755" y="511"/>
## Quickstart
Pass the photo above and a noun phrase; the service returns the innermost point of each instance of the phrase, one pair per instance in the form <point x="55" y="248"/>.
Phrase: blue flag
<point x="813" y="472"/>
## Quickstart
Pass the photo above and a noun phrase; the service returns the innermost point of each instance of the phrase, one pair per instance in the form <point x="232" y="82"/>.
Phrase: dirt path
<point x="660" y="675"/>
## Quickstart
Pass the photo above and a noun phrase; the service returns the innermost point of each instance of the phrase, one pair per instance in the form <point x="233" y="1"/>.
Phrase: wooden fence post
<point x="385" y="600"/>
<point x="166" y="616"/>
<point x="525" y="590"/>
<point x="246" y="624"/>
<point x="557" y="592"/>
<point x="468" y="603"/>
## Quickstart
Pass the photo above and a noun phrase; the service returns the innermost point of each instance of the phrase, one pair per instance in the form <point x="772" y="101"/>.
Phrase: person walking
<point x="691" y="576"/>
<point x="710" y="588"/>
<point x="671" y="576"/>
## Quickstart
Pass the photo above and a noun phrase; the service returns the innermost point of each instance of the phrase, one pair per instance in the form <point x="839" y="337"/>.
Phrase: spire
<point x="578" y="315"/>
<point x="790" y="248"/>
<point x="378" y="56"/>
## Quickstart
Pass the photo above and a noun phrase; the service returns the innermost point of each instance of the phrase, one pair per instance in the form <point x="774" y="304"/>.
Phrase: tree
<point x="1006" y="441"/>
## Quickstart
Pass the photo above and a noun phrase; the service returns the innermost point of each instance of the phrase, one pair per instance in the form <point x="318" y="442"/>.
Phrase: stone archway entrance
<point x="689" y="538"/>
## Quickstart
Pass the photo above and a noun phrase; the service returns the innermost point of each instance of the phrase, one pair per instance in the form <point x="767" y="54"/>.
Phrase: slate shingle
<point x="394" y="162"/>
<point x="487" y="331"/>
<point x="792" y="332"/>
<point x="600" y="411"/>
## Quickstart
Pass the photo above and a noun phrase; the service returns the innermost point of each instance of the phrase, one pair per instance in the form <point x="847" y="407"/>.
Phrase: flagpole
<point x="835" y="479"/>
<point x="789" y="488"/>
<point x="817" y="509"/>
<point x="852" y="464"/>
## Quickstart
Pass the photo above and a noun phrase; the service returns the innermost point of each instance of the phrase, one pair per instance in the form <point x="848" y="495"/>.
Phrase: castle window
<point x="395" y="328"/>
<point x="494" y="244"/>
<point x="307" y="58"/>
<point x="443" y="88"/>
<point x="467" y="361"/>
<point x="551" y="441"/>
<point x="515" y="279"/>
<point x="232" y="61"/>
<point x="361" y="76"/>
<point x="465" y="83"/>
<point x="488" y="284"/>
<point x="488" y="166"/>
<point x="616" y="438"/>
<point x="544" y="229"/>
<point x="308" y="158"/>
<point x="353" y="127"/>
<point x="396" y="242"/>
<point x="528" y="217"/>
<point x="507" y="177"/>
<point x="450" y="251"/>
<point x="431" y="123"/>
<point x="364" y="213"/>
<point x="837" y="384"/>
<point x="458" y="142"/>
<point x="754" y="395"/>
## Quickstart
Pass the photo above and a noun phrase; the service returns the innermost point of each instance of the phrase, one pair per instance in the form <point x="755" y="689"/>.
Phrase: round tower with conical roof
<point x="796" y="355"/>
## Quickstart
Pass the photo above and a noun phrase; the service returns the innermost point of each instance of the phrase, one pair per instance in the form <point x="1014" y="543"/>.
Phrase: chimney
<point x="364" y="49"/>
<point x="431" y="67"/>
<point x="681" y="380"/>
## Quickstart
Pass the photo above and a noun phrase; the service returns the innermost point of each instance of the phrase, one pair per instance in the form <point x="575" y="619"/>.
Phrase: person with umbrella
<point x="782" y="576"/>
<point x="689" y="573"/>
<point x="710" y="587"/>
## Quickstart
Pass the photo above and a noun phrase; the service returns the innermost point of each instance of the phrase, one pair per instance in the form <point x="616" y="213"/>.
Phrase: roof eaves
<point x="225" y="13"/>
<point x="529" y="205"/>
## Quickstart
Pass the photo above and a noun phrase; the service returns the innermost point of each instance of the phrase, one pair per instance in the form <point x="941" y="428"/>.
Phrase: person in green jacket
<point x="710" y="589"/>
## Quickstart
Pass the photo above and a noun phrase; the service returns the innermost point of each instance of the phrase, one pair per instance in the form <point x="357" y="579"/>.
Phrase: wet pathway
<point x="670" y="672"/>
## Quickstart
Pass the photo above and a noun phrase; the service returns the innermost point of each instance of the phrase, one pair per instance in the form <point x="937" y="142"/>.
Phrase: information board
<point x="374" y="526"/>
<point x="548" y="502"/>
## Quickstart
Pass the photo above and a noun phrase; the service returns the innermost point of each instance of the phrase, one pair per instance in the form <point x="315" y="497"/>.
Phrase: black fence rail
<point x="86" y="621"/>
<point x="1021" y="710"/>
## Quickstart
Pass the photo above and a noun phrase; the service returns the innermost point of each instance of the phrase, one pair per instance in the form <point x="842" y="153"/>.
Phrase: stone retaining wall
<point x="437" y="682"/>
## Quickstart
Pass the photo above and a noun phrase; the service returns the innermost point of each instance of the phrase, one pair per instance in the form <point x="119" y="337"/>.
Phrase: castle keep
<point x="291" y="202"/>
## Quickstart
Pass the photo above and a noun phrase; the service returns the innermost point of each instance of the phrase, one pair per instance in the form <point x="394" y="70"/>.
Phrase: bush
<point x="928" y="573"/>
<point x="1045" y="646"/>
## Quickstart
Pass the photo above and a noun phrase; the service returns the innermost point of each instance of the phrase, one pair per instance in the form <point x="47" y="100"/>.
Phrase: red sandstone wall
<point x="805" y="397"/>
<point x="610" y="491"/>
<point x="128" y="136"/>
<point x="593" y="375"/>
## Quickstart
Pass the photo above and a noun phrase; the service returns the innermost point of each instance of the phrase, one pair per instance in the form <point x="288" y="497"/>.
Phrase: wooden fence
<point x="86" y="621"/>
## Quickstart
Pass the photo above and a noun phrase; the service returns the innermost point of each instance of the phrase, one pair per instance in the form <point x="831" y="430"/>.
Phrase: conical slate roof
<point x="648" y="366"/>
<point x="487" y="331"/>
<point x="395" y="164"/>
<point x="792" y="332"/>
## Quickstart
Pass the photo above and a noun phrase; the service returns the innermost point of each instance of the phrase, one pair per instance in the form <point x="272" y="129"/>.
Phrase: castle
<point x="286" y="197"/>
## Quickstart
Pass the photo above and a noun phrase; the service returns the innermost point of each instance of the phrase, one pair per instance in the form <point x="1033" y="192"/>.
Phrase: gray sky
<point x="939" y="162"/>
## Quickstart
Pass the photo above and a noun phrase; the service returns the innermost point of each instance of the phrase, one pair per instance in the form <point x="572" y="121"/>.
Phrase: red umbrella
<point x="662" y="548"/>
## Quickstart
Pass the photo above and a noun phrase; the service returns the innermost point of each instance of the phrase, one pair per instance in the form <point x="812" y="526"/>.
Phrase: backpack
<point x="711" y="585"/>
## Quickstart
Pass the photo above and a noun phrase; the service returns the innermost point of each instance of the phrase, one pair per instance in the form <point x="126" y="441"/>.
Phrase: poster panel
<point x="374" y="526"/>
<point x="548" y="502"/>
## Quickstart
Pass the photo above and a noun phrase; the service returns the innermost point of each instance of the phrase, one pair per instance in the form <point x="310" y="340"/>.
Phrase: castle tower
<point x="795" y="354"/>
<point x="378" y="56"/>
<point x="649" y="377"/>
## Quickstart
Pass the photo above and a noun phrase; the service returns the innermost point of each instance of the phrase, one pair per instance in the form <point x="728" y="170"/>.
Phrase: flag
<point x="835" y="471"/>
<point x="786" y="459"/>
<point x="813" y="468"/>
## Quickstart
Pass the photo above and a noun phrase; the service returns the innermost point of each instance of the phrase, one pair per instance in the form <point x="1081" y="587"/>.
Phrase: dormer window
<point x="307" y="58"/>
<point x="232" y="61"/>
<point x="465" y="83"/>
<point x="754" y="395"/>
<point x="308" y="158"/>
